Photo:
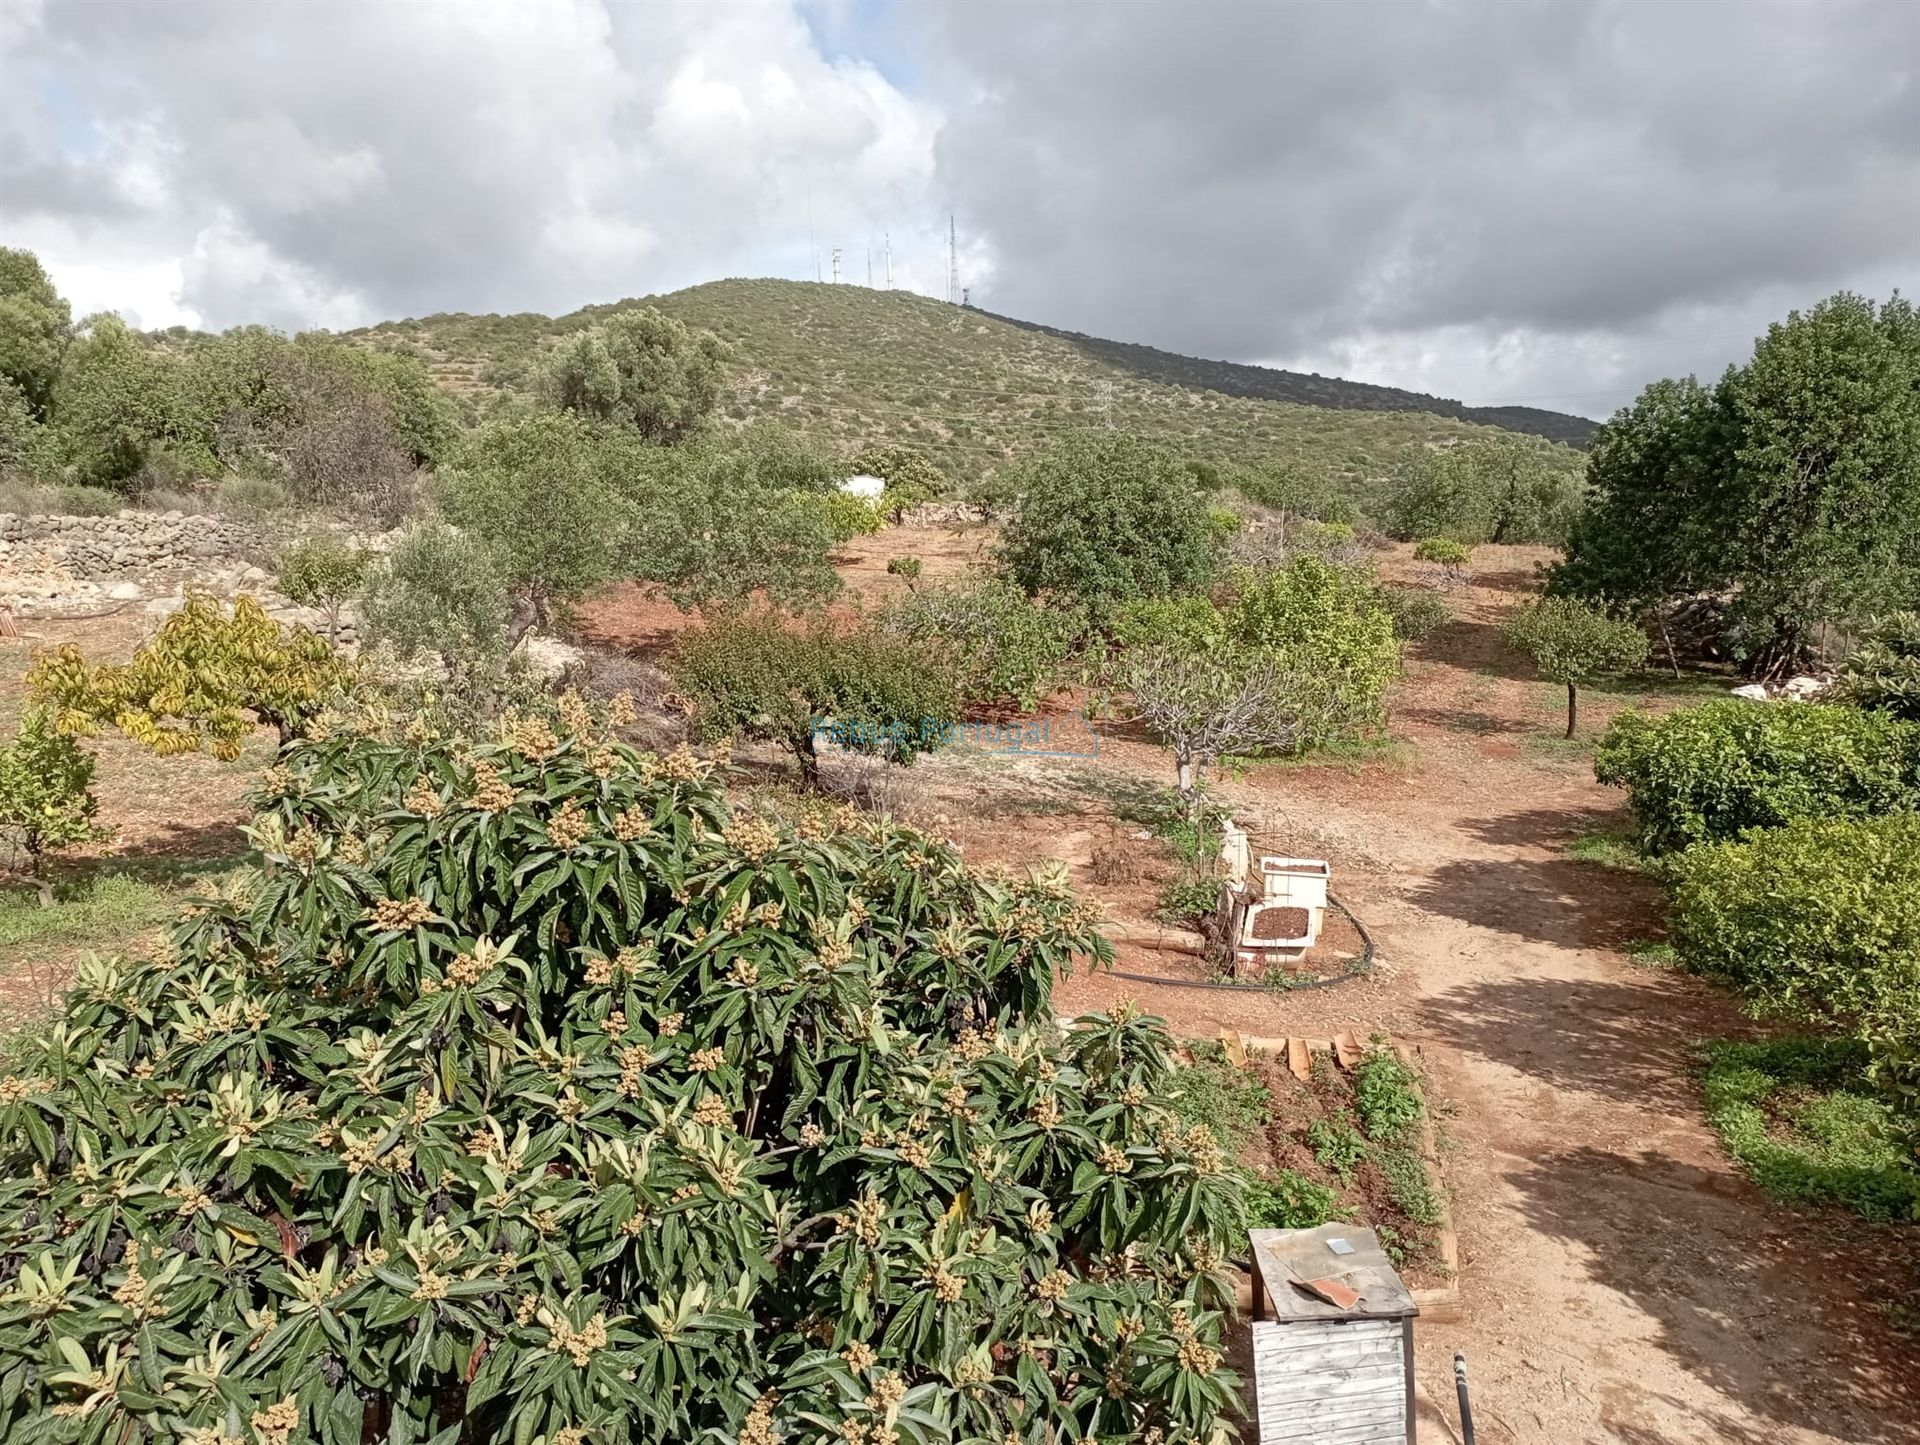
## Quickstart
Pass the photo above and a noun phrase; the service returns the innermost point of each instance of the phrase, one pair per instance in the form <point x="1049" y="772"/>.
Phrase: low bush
<point x="1287" y="1199"/>
<point x="992" y="640"/>
<point x="529" y="1092"/>
<point x="1408" y="1185"/>
<point x="1713" y="771"/>
<point x="1337" y="1145"/>
<point x="1184" y="622"/>
<point x="1386" y="1095"/>
<point x="252" y="499"/>
<point x="440" y="594"/>
<point x="46" y="796"/>
<point x="1417" y="612"/>
<point x="1209" y="1091"/>
<point x="1817" y="921"/>
<point x="864" y="690"/>
<point x="1883" y="672"/>
<point x="1445" y="552"/>
<point x="1327" y="624"/>
<point x="323" y="572"/>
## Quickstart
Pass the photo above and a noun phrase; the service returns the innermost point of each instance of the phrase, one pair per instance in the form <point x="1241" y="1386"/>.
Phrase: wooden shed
<point x="1331" y="1372"/>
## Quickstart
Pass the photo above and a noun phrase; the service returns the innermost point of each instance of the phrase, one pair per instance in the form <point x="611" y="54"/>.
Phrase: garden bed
<point x="1334" y="1130"/>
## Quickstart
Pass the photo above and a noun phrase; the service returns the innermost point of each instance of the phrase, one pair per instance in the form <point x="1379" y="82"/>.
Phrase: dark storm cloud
<point x="1252" y="180"/>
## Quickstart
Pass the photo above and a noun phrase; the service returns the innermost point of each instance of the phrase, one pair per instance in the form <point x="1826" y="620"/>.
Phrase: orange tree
<point x="532" y="1092"/>
<point x="201" y="681"/>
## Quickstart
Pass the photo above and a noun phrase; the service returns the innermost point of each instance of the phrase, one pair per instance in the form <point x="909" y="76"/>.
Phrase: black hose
<point x="1466" y="1405"/>
<point x="1362" y="964"/>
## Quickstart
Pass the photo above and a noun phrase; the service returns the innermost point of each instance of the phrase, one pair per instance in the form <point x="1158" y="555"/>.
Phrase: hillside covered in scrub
<point x="854" y="365"/>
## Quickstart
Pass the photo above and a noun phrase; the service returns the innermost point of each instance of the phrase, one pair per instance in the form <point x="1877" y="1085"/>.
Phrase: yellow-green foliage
<point x="1329" y="622"/>
<point x="201" y="681"/>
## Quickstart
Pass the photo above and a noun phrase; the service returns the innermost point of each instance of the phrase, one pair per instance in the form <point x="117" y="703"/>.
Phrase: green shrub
<point x="46" y="796"/>
<point x="1211" y="1093"/>
<point x="992" y="640"/>
<point x="1713" y="771"/>
<point x="908" y="569"/>
<point x="640" y="369"/>
<point x="1191" y="622"/>
<point x="844" y="516"/>
<point x="1883" y="672"/>
<point x="546" y="495"/>
<point x="1337" y="1145"/>
<point x="1572" y="643"/>
<point x="1105" y="518"/>
<point x="1328" y="624"/>
<point x="442" y="594"/>
<point x="1834" y="1142"/>
<point x="1509" y="489"/>
<point x="1416" y="611"/>
<point x="1408" y="1185"/>
<point x="323" y="572"/>
<point x="1817" y="921"/>
<point x="204" y="680"/>
<point x="1446" y="552"/>
<point x="865" y="690"/>
<point x="910" y="476"/>
<point x="1386" y="1094"/>
<point x="1287" y="1199"/>
<point x="529" y="1092"/>
<point x="252" y="499"/>
<point x="1187" y="901"/>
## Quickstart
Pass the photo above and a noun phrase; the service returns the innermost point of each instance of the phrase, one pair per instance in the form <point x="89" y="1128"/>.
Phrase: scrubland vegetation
<point x="530" y="1084"/>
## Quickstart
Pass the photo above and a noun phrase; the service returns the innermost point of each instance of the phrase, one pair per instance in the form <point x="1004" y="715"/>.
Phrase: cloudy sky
<point x="1541" y="203"/>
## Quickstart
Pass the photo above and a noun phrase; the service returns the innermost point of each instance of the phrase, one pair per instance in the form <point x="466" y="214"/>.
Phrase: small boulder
<point x="126" y="592"/>
<point x="1756" y="691"/>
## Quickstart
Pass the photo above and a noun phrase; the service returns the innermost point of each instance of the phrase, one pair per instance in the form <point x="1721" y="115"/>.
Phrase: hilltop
<point x="853" y="365"/>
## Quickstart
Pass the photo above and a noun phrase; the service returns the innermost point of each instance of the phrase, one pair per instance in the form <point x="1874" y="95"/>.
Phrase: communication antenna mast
<point x="953" y="264"/>
<point x="886" y="241"/>
<point x="869" y="265"/>
<point x="836" y="265"/>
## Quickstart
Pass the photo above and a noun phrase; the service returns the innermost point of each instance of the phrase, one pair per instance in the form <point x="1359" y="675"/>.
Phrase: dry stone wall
<point x="54" y="566"/>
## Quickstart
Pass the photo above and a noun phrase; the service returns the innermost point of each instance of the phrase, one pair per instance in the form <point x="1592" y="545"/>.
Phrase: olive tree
<point x="1573" y="643"/>
<point x="642" y="369"/>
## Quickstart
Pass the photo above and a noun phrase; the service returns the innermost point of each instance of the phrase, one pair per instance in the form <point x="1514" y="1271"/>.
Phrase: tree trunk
<point x="37" y="867"/>
<point x="1573" y="708"/>
<point x="809" y="762"/>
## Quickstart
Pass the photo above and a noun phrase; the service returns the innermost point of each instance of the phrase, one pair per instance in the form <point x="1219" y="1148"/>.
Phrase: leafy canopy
<point x="201" y="681"/>
<point x="640" y="369"/>
<point x="530" y="1092"/>
<point x="1105" y="518"/>
<point x="46" y="794"/>
<point x="1572" y="643"/>
<point x="1711" y="772"/>
<point x="1793" y="485"/>
<point x="35" y="323"/>
<point x="995" y="642"/>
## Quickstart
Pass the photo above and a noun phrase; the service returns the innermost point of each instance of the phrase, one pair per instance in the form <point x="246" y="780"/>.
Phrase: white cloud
<point x="325" y="164"/>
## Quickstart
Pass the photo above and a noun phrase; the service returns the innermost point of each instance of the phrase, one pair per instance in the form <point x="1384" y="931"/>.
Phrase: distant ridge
<point x="851" y="366"/>
<point x="1266" y="383"/>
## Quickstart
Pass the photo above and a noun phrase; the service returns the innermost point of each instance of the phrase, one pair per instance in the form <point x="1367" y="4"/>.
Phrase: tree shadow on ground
<point x="1634" y="1039"/>
<point x="1744" y="1298"/>
<point x="169" y="853"/>
<point x="1465" y="720"/>
<point x="1544" y="827"/>
<point x="1511" y="579"/>
<point x="1559" y="901"/>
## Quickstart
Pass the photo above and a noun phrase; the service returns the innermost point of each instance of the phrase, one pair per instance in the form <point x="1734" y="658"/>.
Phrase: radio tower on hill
<point x="953" y="264"/>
